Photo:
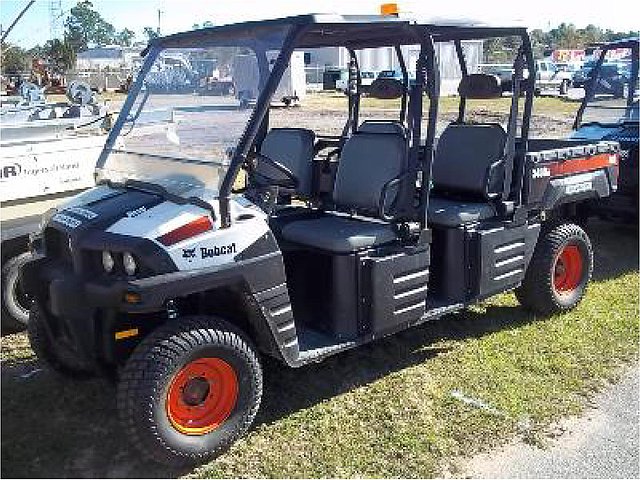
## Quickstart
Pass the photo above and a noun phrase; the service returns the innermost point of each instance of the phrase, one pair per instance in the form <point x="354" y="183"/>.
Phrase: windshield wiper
<point x="156" y="189"/>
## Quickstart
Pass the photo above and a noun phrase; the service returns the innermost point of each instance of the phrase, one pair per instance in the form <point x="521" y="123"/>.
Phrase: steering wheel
<point x="289" y="181"/>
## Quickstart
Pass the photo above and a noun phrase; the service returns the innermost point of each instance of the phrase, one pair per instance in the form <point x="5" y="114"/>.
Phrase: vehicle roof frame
<point x="308" y="31"/>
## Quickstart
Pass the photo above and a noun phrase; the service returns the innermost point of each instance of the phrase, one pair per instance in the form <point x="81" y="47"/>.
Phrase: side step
<point x="314" y="346"/>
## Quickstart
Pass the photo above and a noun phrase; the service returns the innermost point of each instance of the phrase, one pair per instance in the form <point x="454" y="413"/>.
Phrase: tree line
<point x="83" y="27"/>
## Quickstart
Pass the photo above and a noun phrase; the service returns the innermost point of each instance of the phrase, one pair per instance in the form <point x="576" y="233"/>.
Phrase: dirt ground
<point x="326" y="112"/>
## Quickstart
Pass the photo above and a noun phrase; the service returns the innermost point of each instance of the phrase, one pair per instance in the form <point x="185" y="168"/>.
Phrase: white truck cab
<point x="550" y="77"/>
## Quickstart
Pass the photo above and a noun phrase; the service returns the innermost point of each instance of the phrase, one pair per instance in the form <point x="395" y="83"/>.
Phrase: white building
<point x="378" y="59"/>
<point x="111" y="57"/>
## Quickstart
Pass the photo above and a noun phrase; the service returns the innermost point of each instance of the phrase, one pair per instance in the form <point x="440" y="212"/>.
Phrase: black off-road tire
<point x="15" y="304"/>
<point x="56" y="357"/>
<point x="148" y="376"/>
<point x="539" y="291"/>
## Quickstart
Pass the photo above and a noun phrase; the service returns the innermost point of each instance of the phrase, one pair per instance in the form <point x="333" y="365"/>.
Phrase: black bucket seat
<point x="294" y="149"/>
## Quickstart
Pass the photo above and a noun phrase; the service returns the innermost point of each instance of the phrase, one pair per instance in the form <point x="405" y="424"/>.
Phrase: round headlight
<point x="107" y="261"/>
<point x="129" y="263"/>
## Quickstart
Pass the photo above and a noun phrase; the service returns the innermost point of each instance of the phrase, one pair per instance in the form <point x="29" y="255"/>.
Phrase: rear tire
<point x="559" y="271"/>
<point x="189" y="390"/>
<point x="55" y="356"/>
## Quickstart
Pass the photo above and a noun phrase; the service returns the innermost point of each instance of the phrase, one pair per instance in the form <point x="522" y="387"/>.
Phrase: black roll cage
<point x="355" y="33"/>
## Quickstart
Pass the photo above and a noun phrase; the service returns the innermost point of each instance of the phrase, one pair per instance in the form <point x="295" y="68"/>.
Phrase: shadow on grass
<point x="52" y="427"/>
<point x="615" y="248"/>
<point x="289" y="390"/>
<point x="59" y="428"/>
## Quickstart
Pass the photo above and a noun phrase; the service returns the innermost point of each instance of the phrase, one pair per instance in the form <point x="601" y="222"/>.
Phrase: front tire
<point x="15" y="302"/>
<point x="189" y="390"/>
<point x="559" y="271"/>
<point x="54" y="352"/>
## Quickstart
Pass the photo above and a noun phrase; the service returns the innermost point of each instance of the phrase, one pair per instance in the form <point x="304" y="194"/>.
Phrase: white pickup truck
<point x="550" y="77"/>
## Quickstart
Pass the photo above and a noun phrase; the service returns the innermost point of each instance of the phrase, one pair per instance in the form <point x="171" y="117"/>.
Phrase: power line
<point x="17" y="19"/>
<point x="41" y="25"/>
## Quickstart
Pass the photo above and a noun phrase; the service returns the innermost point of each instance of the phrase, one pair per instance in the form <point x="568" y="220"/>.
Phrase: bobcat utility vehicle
<point x="610" y="111"/>
<point x="177" y="277"/>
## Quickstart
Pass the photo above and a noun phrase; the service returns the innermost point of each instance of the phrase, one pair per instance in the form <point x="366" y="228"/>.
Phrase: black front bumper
<point x="91" y="308"/>
<point x="67" y="294"/>
<point x="82" y="312"/>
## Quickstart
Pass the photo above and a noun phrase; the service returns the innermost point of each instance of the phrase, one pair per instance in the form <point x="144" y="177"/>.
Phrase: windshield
<point x="612" y="95"/>
<point x="189" y="112"/>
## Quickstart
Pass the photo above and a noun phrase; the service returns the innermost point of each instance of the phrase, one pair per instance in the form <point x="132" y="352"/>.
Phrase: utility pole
<point x="159" y="16"/>
<point x="55" y="18"/>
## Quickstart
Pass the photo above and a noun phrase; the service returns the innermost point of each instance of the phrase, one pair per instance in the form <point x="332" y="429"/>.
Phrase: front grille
<point x="57" y="245"/>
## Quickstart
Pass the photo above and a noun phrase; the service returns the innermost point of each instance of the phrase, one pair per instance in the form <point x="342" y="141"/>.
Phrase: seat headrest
<point x="480" y="85"/>
<point x="386" y="88"/>
<point x="293" y="148"/>
<point x="377" y="157"/>
<point x="383" y="126"/>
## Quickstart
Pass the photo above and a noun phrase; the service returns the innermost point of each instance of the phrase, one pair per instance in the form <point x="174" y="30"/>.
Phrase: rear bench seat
<point x="467" y="174"/>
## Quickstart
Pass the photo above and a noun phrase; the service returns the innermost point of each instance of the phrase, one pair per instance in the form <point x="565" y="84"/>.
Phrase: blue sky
<point x="178" y="15"/>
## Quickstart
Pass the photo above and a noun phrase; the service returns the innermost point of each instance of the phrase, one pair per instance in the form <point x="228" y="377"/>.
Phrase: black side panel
<point x="547" y="193"/>
<point x="501" y="256"/>
<point x="395" y="289"/>
<point x="324" y="291"/>
<point x="276" y="308"/>
<point x="344" y="296"/>
<point x="448" y="265"/>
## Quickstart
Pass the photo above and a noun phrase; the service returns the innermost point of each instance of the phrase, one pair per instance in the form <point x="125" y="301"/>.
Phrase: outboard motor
<point x="31" y="93"/>
<point x="82" y="101"/>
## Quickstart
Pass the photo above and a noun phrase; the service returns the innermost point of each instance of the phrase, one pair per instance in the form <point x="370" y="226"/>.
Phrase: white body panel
<point x="212" y="248"/>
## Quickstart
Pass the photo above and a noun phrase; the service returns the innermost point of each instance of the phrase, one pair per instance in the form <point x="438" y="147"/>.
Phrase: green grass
<point x="385" y="409"/>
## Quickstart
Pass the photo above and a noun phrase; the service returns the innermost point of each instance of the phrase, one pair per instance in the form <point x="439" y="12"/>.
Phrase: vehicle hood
<point x="165" y="233"/>
<point x="627" y="133"/>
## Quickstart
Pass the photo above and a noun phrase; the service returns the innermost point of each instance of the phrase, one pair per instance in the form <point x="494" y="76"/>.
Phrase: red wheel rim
<point x="567" y="271"/>
<point x="202" y="395"/>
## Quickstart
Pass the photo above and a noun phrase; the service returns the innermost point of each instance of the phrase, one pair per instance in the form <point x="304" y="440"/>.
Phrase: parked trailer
<point x="292" y="87"/>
